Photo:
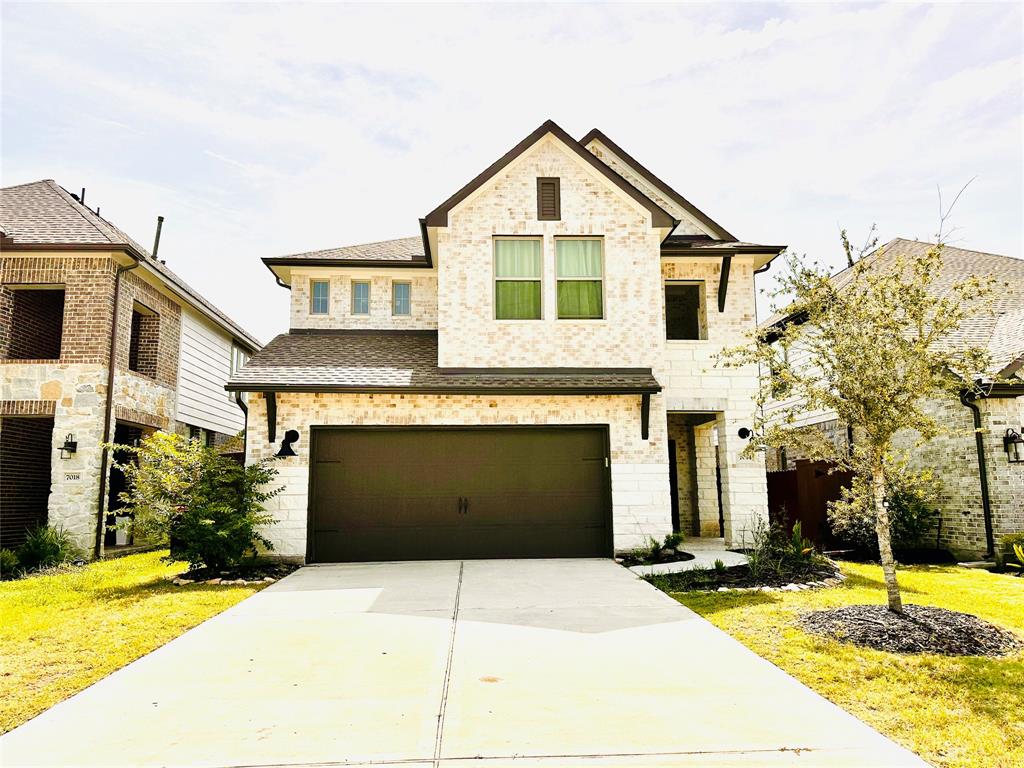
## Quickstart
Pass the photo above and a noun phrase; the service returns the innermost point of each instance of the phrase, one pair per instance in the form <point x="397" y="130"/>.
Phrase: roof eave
<point x="447" y="390"/>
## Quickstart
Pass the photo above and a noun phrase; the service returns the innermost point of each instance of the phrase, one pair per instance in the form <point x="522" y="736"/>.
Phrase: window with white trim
<point x="518" y="273"/>
<point x="579" y="267"/>
<point x="319" y="297"/>
<point x="360" y="297"/>
<point x="401" y="298"/>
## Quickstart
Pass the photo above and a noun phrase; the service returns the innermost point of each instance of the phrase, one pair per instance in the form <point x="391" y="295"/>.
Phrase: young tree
<point x="207" y="506"/>
<point x="872" y="347"/>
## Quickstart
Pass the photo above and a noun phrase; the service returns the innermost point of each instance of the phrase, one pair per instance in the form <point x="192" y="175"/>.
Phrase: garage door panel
<point x="393" y="493"/>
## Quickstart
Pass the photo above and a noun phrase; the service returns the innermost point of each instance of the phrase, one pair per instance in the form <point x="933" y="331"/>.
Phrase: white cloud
<point x="266" y="129"/>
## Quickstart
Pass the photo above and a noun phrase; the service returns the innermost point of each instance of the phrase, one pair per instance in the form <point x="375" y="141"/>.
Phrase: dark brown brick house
<point x="98" y="341"/>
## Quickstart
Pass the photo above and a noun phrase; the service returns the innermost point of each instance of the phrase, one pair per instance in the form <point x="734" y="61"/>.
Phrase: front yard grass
<point x="952" y="711"/>
<point x="61" y="632"/>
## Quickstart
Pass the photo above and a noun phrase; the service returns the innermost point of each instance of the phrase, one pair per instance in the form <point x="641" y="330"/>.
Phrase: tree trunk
<point x="883" y="531"/>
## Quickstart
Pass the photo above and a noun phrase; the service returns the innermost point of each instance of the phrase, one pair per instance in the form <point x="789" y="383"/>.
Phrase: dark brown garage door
<point x="428" y="494"/>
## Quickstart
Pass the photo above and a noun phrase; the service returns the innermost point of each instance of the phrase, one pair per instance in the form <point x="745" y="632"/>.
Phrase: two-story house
<point x="99" y="342"/>
<point x="532" y="376"/>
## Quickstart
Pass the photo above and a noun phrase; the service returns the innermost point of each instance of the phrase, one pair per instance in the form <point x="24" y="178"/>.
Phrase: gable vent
<point x="549" y="199"/>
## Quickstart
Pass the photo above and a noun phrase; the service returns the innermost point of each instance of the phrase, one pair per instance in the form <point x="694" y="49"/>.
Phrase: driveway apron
<point x="498" y="662"/>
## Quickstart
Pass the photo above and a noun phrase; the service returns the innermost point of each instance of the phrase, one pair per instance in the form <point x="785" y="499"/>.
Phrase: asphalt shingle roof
<point x="1001" y="332"/>
<point x="44" y="213"/>
<point x="402" y="249"/>
<point x="389" y="361"/>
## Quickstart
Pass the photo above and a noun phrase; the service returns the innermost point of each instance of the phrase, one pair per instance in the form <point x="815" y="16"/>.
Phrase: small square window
<point x="360" y="297"/>
<point x="319" y="297"/>
<point x="401" y="298"/>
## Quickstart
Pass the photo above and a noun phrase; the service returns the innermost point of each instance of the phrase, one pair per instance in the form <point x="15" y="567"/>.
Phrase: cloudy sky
<point x="261" y="130"/>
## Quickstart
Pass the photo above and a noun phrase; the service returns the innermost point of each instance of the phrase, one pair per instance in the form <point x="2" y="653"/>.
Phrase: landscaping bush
<point x="46" y="547"/>
<point x="8" y="564"/>
<point x="913" y="512"/>
<point x="773" y="553"/>
<point x="207" y="506"/>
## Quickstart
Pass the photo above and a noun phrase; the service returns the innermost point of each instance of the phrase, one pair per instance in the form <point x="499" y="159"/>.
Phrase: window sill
<point x="17" y="360"/>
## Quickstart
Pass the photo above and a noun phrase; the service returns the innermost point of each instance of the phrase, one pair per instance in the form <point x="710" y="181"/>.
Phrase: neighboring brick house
<point x="511" y="382"/>
<point x="974" y="511"/>
<point x="62" y="270"/>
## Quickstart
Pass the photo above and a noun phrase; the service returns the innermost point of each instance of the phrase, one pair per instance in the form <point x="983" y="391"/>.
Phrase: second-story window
<point x="319" y="297"/>
<point x="360" y="297"/>
<point x="579" y="266"/>
<point x="518" y="270"/>
<point x="401" y="298"/>
<point x="685" y="317"/>
<point x="143" y="345"/>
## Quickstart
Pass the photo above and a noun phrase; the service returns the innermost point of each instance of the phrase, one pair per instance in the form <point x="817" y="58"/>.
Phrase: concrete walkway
<point x="502" y="663"/>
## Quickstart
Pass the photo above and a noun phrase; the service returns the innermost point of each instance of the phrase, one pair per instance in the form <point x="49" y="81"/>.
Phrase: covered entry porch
<point x="716" y="494"/>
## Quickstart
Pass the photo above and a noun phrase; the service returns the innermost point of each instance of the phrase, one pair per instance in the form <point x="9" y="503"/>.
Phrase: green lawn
<point x="965" y="711"/>
<point x="60" y="633"/>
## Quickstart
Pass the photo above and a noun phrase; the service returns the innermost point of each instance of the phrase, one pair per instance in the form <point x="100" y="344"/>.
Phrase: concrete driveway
<point x="498" y="662"/>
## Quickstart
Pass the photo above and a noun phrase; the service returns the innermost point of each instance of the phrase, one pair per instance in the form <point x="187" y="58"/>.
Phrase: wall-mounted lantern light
<point x="70" y="446"/>
<point x="291" y="436"/>
<point x="745" y="433"/>
<point x="1013" y="444"/>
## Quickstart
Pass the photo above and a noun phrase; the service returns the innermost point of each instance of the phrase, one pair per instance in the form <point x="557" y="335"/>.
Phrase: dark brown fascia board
<point x="128" y="249"/>
<point x="674" y="251"/>
<point x="693" y="210"/>
<point x="361" y="332"/>
<point x="279" y="261"/>
<point x="446" y="390"/>
<point x="426" y="242"/>
<point x="545" y="371"/>
<point x="1013" y="367"/>
<point x="1004" y="389"/>
<point x="439" y="216"/>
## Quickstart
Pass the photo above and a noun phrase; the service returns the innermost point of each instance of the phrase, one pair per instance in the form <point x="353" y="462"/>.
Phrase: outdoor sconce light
<point x="70" y="446"/>
<point x="1013" y="444"/>
<point x="291" y="436"/>
<point x="744" y="433"/>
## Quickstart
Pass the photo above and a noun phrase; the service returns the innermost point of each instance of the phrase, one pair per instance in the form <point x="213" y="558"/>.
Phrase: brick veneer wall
<point x="164" y="326"/>
<point x="632" y="331"/>
<point x="88" y="299"/>
<point x="25" y="447"/>
<point x="639" y="468"/>
<point x="423" y="305"/>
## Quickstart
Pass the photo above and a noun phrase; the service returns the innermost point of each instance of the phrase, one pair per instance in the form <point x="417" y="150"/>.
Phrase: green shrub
<point x="46" y="547"/>
<point x="913" y="511"/>
<point x="672" y="541"/>
<point x="770" y="551"/>
<point x="207" y="506"/>
<point x="719" y="565"/>
<point x="8" y="564"/>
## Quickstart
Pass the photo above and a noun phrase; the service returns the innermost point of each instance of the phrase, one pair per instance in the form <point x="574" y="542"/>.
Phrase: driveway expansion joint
<point x="447" y="670"/>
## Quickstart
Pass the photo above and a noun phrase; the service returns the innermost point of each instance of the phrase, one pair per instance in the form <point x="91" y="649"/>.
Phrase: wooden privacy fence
<point x="802" y="494"/>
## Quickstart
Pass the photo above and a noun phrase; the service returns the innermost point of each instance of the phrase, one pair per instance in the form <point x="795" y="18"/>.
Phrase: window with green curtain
<point x="518" y="269"/>
<point x="579" y="268"/>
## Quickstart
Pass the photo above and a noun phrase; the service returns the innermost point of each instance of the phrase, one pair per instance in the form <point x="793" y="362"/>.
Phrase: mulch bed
<point x="663" y="556"/>
<point x="738" y="577"/>
<point x="246" y="573"/>
<point x="920" y="629"/>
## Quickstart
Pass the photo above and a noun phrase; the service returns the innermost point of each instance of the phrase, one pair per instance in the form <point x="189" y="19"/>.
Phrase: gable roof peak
<point x="439" y="216"/>
<point x="641" y="170"/>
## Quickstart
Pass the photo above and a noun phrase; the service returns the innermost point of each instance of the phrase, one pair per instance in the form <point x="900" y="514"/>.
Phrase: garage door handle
<point x="465" y="505"/>
<point x="462" y="501"/>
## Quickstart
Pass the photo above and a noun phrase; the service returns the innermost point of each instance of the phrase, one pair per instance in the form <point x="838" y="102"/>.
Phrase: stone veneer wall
<point x="639" y="468"/>
<point x="423" y="304"/>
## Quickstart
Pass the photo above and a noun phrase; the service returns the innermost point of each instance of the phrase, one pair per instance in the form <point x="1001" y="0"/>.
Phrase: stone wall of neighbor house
<point x="423" y="303"/>
<point x="953" y="461"/>
<point x="639" y="468"/>
<point x="632" y="331"/>
<point x="834" y="430"/>
<point x="73" y="388"/>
